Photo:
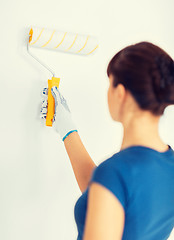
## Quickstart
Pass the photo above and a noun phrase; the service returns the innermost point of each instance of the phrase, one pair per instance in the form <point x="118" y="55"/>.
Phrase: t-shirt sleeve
<point x="108" y="176"/>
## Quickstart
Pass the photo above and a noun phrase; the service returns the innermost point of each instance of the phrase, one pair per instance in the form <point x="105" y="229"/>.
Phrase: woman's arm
<point x="81" y="161"/>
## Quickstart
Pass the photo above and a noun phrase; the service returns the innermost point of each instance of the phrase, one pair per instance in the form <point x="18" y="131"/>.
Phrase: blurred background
<point x="38" y="189"/>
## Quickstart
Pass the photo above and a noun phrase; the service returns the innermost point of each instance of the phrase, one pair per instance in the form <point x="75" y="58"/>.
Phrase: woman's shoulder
<point x="126" y="161"/>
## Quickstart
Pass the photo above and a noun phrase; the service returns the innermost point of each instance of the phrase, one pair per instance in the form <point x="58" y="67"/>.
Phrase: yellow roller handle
<point x="51" y="103"/>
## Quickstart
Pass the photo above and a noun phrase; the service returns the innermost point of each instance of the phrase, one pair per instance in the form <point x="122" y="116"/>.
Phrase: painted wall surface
<point x="38" y="189"/>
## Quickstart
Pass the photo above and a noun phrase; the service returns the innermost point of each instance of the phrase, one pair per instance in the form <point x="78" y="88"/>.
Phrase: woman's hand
<point x="62" y="120"/>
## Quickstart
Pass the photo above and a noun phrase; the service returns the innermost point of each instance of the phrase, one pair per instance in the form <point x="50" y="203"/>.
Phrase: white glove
<point x="62" y="120"/>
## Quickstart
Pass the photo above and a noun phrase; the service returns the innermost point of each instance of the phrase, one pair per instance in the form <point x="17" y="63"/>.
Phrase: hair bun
<point x="166" y="70"/>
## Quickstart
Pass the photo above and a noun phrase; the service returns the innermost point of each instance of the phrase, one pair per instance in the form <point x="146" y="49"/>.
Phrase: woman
<point x="130" y="195"/>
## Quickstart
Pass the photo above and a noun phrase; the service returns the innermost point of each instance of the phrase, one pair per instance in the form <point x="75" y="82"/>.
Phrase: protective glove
<point x="62" y="120"/>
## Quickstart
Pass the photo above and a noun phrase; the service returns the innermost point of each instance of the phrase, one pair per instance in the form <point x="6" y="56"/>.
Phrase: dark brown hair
<point x="147" y="71"/>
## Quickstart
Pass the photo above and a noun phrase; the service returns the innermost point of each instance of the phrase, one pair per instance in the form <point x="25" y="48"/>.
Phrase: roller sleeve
<point x="62" y="41"/>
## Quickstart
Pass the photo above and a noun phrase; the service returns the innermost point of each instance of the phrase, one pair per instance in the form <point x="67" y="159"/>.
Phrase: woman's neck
<point x="143" y="131"/>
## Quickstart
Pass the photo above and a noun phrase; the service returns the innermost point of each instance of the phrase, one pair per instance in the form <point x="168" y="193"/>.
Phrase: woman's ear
<point x="121" y="92"/>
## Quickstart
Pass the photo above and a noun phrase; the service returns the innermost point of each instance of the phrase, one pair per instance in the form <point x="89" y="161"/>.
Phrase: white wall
<point x="38" y="188"/>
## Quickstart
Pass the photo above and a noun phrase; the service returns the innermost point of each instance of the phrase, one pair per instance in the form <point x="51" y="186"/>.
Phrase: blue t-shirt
<point x="142" y="179"/>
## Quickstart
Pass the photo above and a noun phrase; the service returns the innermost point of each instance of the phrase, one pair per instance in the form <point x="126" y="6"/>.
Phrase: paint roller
<point x="66" y="42"/>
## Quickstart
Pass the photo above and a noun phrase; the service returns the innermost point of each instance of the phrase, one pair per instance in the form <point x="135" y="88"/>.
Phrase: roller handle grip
<point x="51" y="103"/>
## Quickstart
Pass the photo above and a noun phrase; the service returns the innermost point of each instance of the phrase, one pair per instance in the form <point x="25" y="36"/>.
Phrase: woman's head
<point x="141" y="80"/>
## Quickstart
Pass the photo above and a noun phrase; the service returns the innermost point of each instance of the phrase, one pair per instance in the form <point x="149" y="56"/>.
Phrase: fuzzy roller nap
<point x="66" y="42"/>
